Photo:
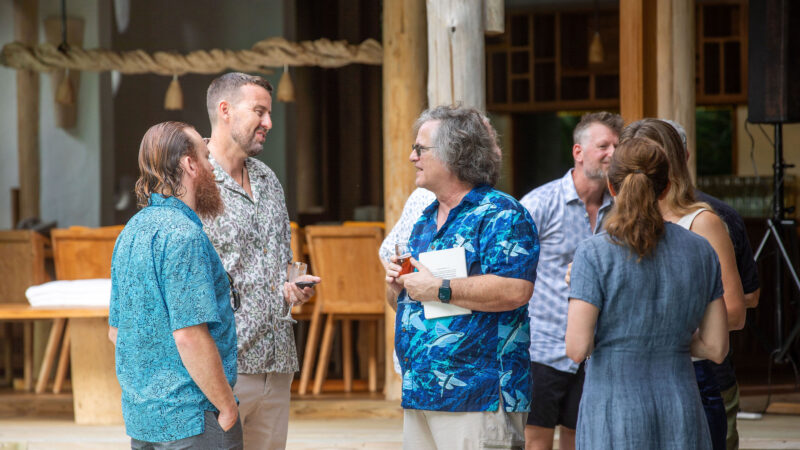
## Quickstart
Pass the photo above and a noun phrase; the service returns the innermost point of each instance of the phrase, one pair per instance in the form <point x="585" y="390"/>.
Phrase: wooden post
<point x="637" y="66"/>
<point x="494" y="17"/>
<point x="676" y="67"/>
<point x="662" y="86"/>
<point x="404" y="70"/>
<point x="26" y="31"/>
<point x="456" y="72"/>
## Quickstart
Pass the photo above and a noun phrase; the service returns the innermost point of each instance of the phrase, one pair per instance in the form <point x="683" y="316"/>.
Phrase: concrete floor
<point x="771" y="432"/>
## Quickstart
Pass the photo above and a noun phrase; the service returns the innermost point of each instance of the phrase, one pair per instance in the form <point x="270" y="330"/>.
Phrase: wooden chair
<point x="22" y="255"/>
<point x="83" y="253"/>
<point x="352" y="288"/>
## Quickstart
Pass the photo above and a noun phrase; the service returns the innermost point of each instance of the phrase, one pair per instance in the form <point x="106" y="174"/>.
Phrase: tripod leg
<point x="786" y="258"/>
<point x="763" y="243"/>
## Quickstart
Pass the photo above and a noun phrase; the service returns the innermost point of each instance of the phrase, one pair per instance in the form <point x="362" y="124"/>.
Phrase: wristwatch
<point x="445" y="292"/>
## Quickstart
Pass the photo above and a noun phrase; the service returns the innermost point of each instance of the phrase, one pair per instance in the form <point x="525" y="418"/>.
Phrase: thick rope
<point x="272" y="52"/>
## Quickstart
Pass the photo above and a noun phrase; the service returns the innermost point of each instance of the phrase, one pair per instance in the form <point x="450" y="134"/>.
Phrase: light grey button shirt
<point x="562" y="221"/>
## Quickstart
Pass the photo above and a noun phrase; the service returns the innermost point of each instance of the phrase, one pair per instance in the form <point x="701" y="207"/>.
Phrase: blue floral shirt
<point x="461" y="363"/>
<point x="166" y="275"/>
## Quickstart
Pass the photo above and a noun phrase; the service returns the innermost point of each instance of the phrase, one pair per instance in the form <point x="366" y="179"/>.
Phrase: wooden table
<point x="95" y="390"/>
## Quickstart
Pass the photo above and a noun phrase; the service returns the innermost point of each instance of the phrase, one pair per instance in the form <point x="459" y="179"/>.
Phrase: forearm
<point x="490" y="293"/>
<point x="391" y="298"/>
<point x="751" y="299"/>
<point x="705" y="350"/>
<point x="201" y="358"/>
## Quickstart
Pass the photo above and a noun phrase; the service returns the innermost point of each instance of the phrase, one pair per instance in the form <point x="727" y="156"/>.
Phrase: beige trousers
<point x="264" y="409"/>
<point x="463" y="430"/>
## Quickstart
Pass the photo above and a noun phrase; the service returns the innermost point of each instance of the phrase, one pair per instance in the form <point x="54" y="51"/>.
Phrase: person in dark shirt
<point x="748" y="272"/>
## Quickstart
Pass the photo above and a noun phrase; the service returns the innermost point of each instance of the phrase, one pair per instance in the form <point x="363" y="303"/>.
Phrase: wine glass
<point x="296" y="270"/>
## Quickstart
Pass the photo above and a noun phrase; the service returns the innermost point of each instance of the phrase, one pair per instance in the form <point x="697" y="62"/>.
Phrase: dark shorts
<point x="556" y="396"/>
<point x="213" y="438"/>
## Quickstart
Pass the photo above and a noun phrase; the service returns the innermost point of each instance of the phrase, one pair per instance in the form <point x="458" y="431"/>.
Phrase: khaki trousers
<point x="264" y="409"/>
<point x="463" y="430"/>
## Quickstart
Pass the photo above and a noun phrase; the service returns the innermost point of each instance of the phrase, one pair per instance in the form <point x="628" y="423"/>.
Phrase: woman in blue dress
<point x="644" y="296"/>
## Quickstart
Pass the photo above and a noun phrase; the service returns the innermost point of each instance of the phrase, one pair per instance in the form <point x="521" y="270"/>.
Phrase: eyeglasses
<point x="419" y="149"/>
<point x="237" y="302"/>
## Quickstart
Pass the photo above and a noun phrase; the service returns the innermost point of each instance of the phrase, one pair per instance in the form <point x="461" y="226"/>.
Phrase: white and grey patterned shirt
<point x="562" y="221"/>
<point x="412" y="210"/>
<point x="253" y="238"/>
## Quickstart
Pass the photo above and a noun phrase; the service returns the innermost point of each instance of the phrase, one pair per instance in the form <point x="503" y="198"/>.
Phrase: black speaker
<point x="773" y="88"/>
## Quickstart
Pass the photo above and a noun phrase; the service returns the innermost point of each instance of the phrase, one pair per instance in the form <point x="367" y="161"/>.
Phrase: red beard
<point x="208" y="201"/>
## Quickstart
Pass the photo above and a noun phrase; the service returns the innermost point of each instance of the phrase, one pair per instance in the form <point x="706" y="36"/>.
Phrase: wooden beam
<point x="494" y="17"/>
<point x="456" y="72"/>
<point x="637" y="62"/>
<point x="26" y="31"/>
<point x="676" y="67"/>
<point x="405" y="66"/>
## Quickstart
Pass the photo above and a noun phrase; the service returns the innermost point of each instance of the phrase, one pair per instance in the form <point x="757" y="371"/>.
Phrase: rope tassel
<point x="173" y="101"/>
<point x="65" y="95"/>
<point x="285" y="86"/>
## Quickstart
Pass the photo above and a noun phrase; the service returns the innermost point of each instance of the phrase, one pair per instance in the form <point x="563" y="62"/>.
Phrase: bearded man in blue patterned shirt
<point x="465" y="377"/>
<point x="171" y="317"/>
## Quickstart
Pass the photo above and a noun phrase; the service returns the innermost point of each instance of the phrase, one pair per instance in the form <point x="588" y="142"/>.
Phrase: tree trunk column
<point x="26" y="31"/>
<point x="456" y="69"/>
<point x="404" y="98"/>
<point x="657" y="67"/>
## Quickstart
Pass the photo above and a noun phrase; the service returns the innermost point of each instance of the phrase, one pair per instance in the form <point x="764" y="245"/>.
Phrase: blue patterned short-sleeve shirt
<point x="462" y="363"/>
<point x="166" y="275"/>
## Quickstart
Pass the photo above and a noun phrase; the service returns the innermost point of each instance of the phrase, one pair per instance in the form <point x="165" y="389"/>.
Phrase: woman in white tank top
<point x="680" y="207"/>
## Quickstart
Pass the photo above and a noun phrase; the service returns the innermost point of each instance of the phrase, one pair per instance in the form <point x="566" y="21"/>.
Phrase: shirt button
<point x="405" y="359"/>
<point x="404" y="330"/>
<point x="265" y="251"/>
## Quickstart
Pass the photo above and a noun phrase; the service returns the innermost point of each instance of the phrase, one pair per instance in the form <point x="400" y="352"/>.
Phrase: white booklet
<point x="450" y="264"/>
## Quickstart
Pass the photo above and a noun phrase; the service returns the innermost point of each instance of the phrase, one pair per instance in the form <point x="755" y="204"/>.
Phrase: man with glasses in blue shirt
<point x="171" y="313"/>
<point x="466" y="377"/>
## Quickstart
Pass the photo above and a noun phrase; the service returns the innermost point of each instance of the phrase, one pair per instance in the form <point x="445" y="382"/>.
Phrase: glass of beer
<point x="403" y="257"/>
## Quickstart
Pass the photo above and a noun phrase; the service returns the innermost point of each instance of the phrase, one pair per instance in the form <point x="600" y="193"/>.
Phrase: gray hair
<point x="679" y="128"/>
<point x="226" y="87"/>
<point x="464" y="142"/>
<point x="613" y="121"/>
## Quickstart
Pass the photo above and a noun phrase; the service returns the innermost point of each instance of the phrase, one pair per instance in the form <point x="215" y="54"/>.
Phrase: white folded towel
<point x="95" y="292"/>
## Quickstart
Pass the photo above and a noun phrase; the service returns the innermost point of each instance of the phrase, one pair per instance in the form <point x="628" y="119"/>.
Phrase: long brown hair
<point x="680" y="198"/>
<point x="160" y="153"/>
<point x="639" y="173"/>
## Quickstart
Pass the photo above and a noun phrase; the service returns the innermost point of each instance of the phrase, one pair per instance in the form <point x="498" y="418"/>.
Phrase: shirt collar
<point x="568" y="186"/>
<point x="253" y="170"/>
<point x="158" y="200"/>
<point x="473" y="197"/>
<point x="571" y="194"/>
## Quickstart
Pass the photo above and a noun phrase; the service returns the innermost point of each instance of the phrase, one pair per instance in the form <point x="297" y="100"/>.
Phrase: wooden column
<point x="637" y="64"/>
<point x="675" y="59"/>
<point x="404" y="73"/>
<point x="456" y="72"/>
<point x="657" y="51"/>
<point x="26" y="30"/>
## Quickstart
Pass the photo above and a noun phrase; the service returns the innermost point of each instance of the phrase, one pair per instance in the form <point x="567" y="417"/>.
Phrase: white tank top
<point x="686" y="222"/>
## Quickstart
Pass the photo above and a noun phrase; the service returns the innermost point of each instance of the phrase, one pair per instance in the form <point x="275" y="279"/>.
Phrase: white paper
<point x="448" y="264"/>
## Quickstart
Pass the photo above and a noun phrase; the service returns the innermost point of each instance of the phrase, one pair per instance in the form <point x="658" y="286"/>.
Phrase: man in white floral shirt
<point x="252" y="238"/>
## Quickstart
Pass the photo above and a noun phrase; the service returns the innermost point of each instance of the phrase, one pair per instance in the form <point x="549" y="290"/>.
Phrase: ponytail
<point x="639" y="173"/>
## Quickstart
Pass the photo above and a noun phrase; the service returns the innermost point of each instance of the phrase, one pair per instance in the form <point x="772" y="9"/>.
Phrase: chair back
<point x="21" y="263"/>
<point x="346" y="258"/>
<point x="82" y="253"/>
<point x="361" y="223"/>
